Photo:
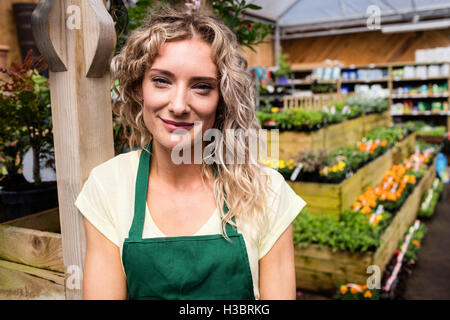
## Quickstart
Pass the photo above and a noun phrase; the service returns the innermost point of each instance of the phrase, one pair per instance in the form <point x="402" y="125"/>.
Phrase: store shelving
<point x="418" y="84"/>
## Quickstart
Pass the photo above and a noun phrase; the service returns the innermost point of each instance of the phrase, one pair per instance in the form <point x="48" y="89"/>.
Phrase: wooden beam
<point x="81" y="114"/>
<point x="31" y="247"/>
<point x="22" y="282"/>
<point x="47" y="220"/>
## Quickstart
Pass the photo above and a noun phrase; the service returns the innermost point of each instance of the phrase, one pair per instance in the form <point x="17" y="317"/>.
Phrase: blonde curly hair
<point x="245" y="185"/>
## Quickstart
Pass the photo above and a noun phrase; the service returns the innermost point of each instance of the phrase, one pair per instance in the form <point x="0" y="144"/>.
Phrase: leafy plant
<point x="284" y="67"/>
<point x="249" y="33"/>
<point x="25" y="118"/>
<point x="312" y="160"/>
<point x="352" y="232"/>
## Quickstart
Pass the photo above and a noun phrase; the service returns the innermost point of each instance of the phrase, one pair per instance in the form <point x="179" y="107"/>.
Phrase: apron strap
<point x="229" y="228"/>
<point x="140" y="200"/>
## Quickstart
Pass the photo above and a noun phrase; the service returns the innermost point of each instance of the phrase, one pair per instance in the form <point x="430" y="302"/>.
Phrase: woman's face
<point x="179" y="88"/>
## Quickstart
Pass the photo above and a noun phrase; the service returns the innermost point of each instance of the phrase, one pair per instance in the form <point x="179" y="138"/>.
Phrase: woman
<point x="209" y="229"/>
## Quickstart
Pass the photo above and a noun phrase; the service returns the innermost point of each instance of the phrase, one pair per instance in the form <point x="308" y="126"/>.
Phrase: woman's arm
<point x="103" y="274"/>
<point x="277" y="270"/>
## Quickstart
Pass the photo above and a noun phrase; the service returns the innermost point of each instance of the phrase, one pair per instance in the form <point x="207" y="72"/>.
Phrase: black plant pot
<point x="29" y="199"/>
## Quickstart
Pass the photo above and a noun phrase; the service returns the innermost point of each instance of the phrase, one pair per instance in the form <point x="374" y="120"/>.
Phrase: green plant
<point x="369" y="105"/>
<point x="25" y="118"/>
<point x="284" y="67"/>
<point x="430" y="199"/>
<point x="414" y="242"/>
<point x="248" y="32"/>
<point x="352" y="232"/>
<point x="429" y="131"/>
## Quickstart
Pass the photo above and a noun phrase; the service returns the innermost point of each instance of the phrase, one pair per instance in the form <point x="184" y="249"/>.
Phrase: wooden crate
<point x="343" y="134"/>
<point x="31" y="258"/>
<point x="335" y="198"/>
<point x="320" y="269"/>
<point x="403" y="149"/>
<point x="291" y="143"/>
<point x="376" y="120"/>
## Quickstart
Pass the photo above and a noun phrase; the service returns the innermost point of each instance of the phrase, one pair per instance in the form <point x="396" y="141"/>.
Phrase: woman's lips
<point x="173" y="125"/>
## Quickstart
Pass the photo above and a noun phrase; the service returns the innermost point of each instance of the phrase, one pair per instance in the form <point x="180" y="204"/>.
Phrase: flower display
<point x="395" y="186"/>
<point x="353" y="291"/>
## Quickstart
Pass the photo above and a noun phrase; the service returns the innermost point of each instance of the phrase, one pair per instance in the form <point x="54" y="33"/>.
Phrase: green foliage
<point x="415" y="242"/>
<point x="369" y="105"/>
<point x="391" y="134"/>
<point x="352" y="232"/>
<point x="429" y="131"/>
<point x="249" y="33"/>
<point x="284" y="67"/>
<point x="25" y="116"/>
<point x="426" y="209"/>
<point x="297" y="119"/>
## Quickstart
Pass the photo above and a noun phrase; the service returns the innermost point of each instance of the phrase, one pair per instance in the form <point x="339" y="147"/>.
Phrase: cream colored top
<point x="107" y="201"/>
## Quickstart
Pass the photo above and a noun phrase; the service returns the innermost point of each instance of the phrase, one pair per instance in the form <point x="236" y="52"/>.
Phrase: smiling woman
<point x="156" y="229"/>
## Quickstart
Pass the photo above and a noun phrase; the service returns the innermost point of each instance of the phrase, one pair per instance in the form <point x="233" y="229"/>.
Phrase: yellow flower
<point x="275" y="109"/>
<point x="343" y="289"/>
<point x="341" y="165"/>
<point x="282" y="164"/>
<point x="379" y="217"/>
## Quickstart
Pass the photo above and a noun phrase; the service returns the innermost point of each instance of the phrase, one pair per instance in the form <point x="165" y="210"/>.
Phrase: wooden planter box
<point x="404" y="149"/>
<point x="349" y="132"/>
<point x="376" y="120"/>
<point x="31" y="258"/>
<point x="320" y="269"/>
<point x="335" y="198"/>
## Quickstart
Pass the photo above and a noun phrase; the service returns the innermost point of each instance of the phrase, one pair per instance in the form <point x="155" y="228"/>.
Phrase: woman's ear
<point x="139" y="95"/>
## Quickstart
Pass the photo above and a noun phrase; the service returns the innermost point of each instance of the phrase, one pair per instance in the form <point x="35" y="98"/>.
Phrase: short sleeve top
<point x="107" y="202"/>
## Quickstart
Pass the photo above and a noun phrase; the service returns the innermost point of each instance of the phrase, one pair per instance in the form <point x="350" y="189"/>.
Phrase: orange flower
<point x="366" y="209"/>
<point x="368" y="294"/>
<point x="357" y="204"/>
<point x="391" y="196"/>
<point x="355" y="289"/>
<point x="343" y="289"/>
<point x="383" y="143"/>
<point x="416" y="243"/>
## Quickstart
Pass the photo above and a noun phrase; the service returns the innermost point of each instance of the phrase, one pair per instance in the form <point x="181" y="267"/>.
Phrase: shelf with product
<point x="365" y="79"/>
<point x="420" y="91"/>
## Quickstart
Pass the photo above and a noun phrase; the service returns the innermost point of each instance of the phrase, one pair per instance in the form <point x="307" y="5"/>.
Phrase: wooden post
<point x="77" y="39"/>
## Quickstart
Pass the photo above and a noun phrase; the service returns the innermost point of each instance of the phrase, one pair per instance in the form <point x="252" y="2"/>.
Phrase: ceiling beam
<point x="361" y="21"/>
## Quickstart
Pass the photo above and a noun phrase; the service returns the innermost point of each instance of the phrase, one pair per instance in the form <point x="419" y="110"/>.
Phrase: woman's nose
<point x="179" y="104"/>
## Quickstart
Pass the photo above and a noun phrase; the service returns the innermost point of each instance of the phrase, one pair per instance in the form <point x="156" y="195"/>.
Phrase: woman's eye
<point x="203" y="87"/>
<point x="160" y="81"/>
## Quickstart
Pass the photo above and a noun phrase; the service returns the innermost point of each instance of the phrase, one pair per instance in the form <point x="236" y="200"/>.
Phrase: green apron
<point x="189" y="267"/>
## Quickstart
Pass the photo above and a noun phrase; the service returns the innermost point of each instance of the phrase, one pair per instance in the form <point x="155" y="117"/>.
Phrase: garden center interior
<point x="359" y="94"/>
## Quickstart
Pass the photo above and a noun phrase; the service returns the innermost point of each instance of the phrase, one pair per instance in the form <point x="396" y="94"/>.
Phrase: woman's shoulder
<point x="276" y="179"/>
<point x="118" y="166"/>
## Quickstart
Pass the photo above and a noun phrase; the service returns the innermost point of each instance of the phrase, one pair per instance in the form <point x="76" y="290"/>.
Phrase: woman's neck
<point x="180" y="177"/>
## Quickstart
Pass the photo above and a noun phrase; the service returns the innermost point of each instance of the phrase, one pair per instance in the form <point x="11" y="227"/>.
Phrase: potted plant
<point x="25" y="122"/>
<point x="284" y="69"/>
